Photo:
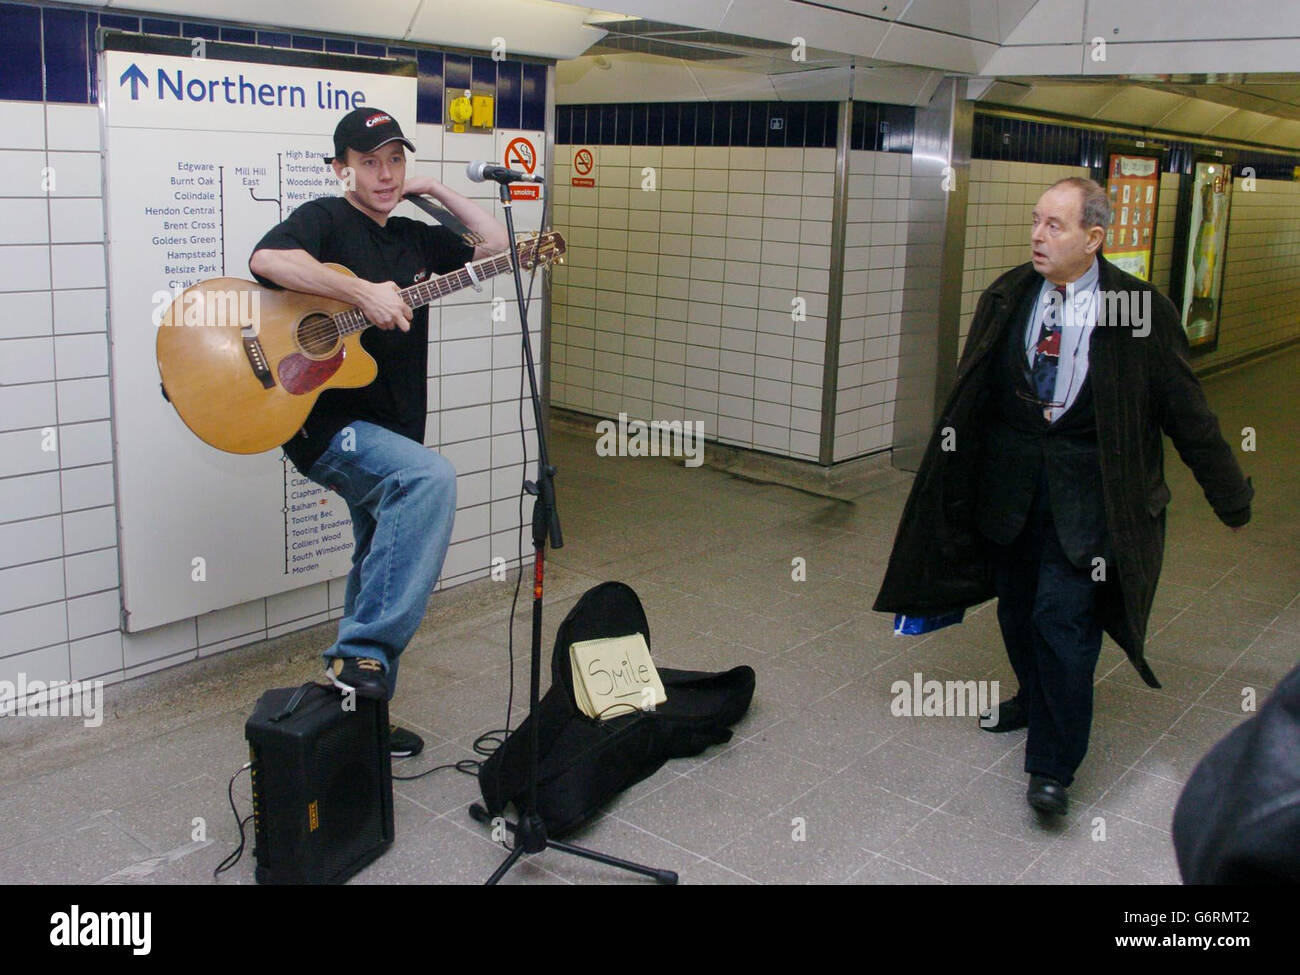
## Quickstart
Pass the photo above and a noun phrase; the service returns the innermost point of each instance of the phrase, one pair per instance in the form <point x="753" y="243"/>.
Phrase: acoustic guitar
<point x="243" y="364"/>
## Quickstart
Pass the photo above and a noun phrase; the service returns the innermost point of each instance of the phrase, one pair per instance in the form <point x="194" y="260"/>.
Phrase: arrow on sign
<point x="135" y="76"/>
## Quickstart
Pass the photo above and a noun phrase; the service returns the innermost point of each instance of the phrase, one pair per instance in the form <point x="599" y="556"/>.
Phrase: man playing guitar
<point x="367" y="443"/>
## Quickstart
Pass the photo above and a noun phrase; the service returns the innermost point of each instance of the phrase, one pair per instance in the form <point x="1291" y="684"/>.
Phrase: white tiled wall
<point x="59" y="595"/>
<point x="475" y="365"/>
<point x="1166" y="216"/>
<point x="60" y="599"/>
<point x="678" y="302"/>
<point x="1261" y="288"/>
<point x="875" y="256"/>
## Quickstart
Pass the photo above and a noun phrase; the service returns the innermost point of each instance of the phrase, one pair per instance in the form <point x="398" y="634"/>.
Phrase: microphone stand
<point x="530" y="832"/>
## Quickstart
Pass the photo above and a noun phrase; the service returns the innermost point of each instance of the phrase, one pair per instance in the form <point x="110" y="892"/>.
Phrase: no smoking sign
<point x="584" y="165"/>
<point x="521" y="155"/>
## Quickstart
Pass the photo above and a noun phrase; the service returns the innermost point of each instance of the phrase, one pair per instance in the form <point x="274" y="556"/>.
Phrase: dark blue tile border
<point x="741" y="123"/>
<point x="20" y="52"/>
<point x="1061" y="144"/>
<point x="428" y="98"/>
<point x="274" y="38"/>
<point x="120" y="22"/>
<point x="456" y="72"/>
<point x="168" y="28"/>
<point x="509" y="94"/>
<point x="533" y="108"/>
<point x="483" y="72"/>
<point x="209" y="31"/>
<point x="92" y="27"/>
<point x="67" y="77"/>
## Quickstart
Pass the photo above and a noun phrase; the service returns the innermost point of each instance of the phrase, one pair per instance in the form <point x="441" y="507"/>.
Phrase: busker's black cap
<point x="365" y="130"/>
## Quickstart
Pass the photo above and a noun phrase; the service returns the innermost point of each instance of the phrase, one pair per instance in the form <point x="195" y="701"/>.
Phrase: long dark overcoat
<point x="1142" y="385"/>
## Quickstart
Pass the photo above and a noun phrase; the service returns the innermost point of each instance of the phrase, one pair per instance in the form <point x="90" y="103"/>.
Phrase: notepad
<point x="615" y="676"/>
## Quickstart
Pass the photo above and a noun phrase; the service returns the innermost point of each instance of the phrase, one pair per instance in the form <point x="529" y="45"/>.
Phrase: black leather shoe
<point x="1012" y="716"/>
<point x="1047" y="795"/>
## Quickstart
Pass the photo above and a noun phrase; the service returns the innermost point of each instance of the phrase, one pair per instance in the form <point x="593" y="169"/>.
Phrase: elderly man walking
<point x="1043" y="483"/>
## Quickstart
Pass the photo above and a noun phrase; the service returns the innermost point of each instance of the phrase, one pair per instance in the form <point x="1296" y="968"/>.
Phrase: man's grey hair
<point x="1096" y="204"/>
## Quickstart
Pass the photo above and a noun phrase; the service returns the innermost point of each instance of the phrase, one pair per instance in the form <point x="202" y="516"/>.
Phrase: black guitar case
<point x="585" y="762"/>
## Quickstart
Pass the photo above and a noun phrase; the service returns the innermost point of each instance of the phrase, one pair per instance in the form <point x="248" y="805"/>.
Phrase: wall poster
<point x="1206" y="201"/>
<point x="1133" y="184"/>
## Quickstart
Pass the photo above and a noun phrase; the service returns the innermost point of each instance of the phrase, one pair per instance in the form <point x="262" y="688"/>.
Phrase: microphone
<point x="479" y="171"/>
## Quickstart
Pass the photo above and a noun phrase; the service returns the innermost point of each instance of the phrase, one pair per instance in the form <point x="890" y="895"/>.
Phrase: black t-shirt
<point x="404" y="251"/>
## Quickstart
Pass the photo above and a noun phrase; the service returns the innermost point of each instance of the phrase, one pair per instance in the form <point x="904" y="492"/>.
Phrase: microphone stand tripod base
<point x="530" y="837"/>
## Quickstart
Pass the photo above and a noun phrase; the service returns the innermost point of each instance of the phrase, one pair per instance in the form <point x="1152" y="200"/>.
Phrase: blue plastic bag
<point x="915" y="625"/>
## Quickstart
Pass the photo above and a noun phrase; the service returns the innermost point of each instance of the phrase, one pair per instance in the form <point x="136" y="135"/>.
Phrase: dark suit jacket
<point x="1142" y="385"/>
<point x="1020" y="449"/>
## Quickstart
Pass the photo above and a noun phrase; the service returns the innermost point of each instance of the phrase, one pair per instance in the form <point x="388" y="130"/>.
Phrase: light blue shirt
<point x="1077" y="315"/>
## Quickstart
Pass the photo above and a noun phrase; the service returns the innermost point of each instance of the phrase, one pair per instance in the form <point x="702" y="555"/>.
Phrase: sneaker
<point x="364" y="675"/>
<point x="403" y="743"/>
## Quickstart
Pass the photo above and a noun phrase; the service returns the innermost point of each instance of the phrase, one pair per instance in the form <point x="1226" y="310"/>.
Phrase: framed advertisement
<point x="1133" y="184"/>
<point x="1196" y="280"/>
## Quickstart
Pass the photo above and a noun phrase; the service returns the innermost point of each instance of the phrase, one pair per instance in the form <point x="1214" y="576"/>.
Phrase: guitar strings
<point x="345" y="322"/>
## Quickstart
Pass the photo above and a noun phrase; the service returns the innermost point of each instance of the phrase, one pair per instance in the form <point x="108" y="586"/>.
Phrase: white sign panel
<point x="205" y="155"/>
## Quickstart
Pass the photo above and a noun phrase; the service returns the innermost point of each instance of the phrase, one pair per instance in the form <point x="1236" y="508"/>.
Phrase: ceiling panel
<point x="1160" y="20"/>
<point x="533" y="27"/>
<point x="895" y="83"/>
<point x="1141" y="106"/>
<point x="1086" y="101"/>
<point x="1243" y="126"/>
<point x="966" y="18"/>
<point x="1222" y="56"/>
<point x="1194" y="115"/>
<point x="1035" y="59"/>
<point x="911" y="45"/>
<point x="380" y="18"/>
<point x="692" y="13"/>
<point x="1280" y="132"/>
<point x="1044" y="22"/>
<point x="821" y="85"/>
<point x="782" y="20"/>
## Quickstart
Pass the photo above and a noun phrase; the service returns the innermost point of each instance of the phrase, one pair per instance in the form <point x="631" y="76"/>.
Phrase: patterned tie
<point x="1048" y="351"/>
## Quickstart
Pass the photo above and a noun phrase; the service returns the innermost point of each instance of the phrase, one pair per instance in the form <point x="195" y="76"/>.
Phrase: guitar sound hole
<point x="318" y="336"/>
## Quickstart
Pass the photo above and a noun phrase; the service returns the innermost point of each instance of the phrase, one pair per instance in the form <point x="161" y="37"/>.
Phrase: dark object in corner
<point x="1238" y="818"/>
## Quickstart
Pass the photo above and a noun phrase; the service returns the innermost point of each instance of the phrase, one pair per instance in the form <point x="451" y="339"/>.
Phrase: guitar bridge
<point x="257" y="359"/>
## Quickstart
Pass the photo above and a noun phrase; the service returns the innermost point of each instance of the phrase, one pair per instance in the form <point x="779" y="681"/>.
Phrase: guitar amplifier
<point x="322" y="784"/>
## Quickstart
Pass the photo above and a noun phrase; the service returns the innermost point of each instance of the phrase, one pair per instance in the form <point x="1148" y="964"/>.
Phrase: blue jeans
<point x="402" y="498"/>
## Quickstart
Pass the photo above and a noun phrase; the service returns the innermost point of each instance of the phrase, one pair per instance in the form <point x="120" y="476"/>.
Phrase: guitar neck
<point x="419" y="295"/>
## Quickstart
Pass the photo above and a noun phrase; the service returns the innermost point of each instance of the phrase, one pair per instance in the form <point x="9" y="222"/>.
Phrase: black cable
<point x="467" y="765"/>
<point x="233" y="858"/>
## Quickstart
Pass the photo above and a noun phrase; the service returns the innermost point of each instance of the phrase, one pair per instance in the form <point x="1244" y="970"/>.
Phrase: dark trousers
<point x="1046" y="612"/>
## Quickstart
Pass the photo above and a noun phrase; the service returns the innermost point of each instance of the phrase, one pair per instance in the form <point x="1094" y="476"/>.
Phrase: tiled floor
<point x="820" y="783"/>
